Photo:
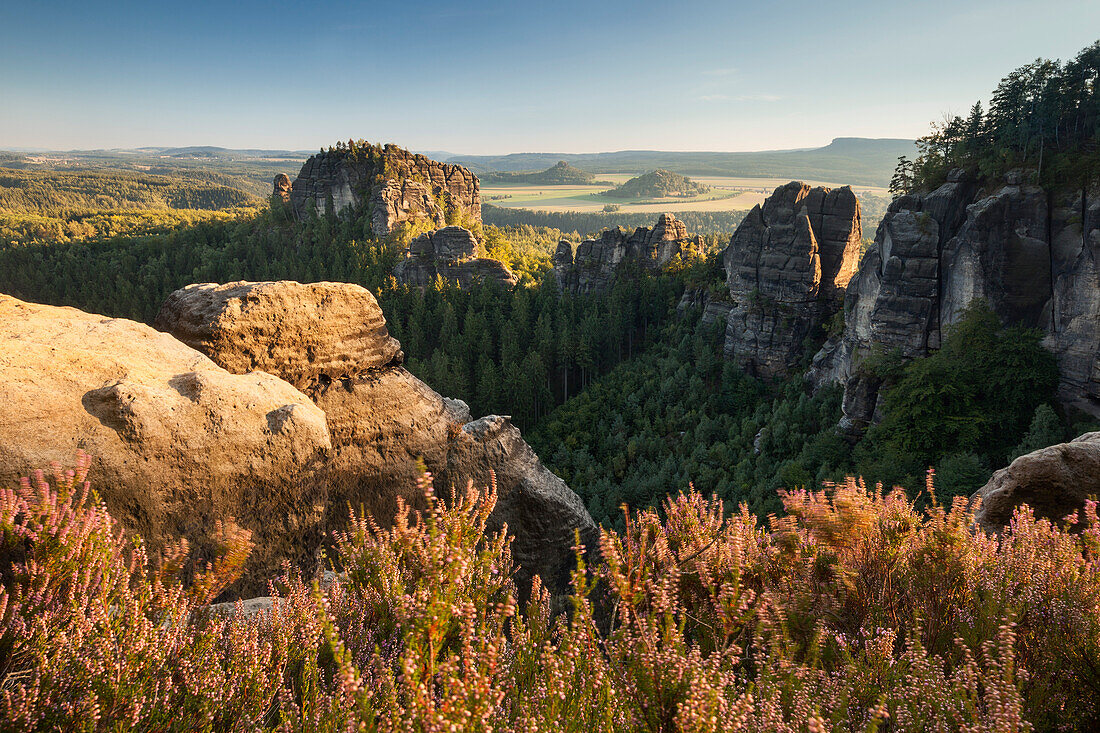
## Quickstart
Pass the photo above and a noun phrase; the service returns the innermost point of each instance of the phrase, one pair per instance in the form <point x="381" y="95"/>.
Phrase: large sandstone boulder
<point x="593" y="266"/>
<point x="1054" y="482"/>
<point x="320" y="331"/>
<point x="787" y="266"/>
<point x="449" y="253"/>
<point x="396" y="186"/>
<point x="177" y="441"/>
<point x="381" y="418"/>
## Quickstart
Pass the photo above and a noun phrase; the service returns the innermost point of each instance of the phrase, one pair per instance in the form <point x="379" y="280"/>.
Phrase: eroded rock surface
<point x="177" y="441"/>
<point x="314" y="332"/>
<point x="450" y="253"/>
<point x="282" y="187"/>
<point x="382" y="419"/>
<point x="593" y="266"/>
<point x="1034" y="260"/>
<point x="787" y="266"/>
<point x="395" y="185"/>
<point x="1053" y="481"/>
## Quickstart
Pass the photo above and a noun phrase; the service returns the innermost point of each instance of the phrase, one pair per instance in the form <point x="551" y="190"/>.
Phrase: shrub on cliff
<point x="853" y="612"/>
<point x="976" y="395"/>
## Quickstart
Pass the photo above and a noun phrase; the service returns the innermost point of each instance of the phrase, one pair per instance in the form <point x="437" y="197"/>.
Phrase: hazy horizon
<point x="458" y="153"/>
<point x="494" y="79"/>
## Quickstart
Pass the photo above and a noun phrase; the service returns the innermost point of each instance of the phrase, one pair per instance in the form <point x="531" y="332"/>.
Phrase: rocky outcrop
<point x="308" y="334"/>
<point x="1032" y="258"/>
<point x="787" y="267"/>
<point x="381" y="419"/>
<point x="594" y="265"/>
<point x="282" y="187"/>
<point x="390" y="183"/>
<point x="177" y="441"/>
<point x="450" y="253"/>
<point x="298" y="408"/>
<point x="1055" y="482"/>
<point x="713" y="311"/>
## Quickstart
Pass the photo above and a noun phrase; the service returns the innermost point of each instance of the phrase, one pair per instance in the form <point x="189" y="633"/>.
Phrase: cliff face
<point x="450" y="253"/>
<point x="1032" y="258"/>
<point x="381" y="419"/>
<point x="395" y="185"/>
<point x="296" y="408"/>
<point x="593" y="267"/>
<point x="787" y="266"/>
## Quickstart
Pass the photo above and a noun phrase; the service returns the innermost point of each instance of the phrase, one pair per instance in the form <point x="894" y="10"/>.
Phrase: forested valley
<point x="623" y="396"/>
<point x="626" y="396"/>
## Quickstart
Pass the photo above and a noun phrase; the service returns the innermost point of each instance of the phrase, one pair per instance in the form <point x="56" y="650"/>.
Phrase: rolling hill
<point x="861" y="161"/>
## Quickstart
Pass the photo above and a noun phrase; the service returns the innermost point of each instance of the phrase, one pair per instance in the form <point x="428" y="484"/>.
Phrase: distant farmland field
<point x="727" y="194"/>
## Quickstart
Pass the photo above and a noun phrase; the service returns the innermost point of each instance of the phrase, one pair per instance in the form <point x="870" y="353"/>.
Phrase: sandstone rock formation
<point x="1054" y="482"/>
<point x="282" y="187"/>
<point x="787" y="266"/>
<point x="306" y="334"/>
<point x="713" y="311"/>
<point x="593" y="267"/>
<point x="1033" y="259"/>
<point x="180" y="439"/>
<point x="393" y="184"/>
<point x="177" y="441"/>
<point x="450" y="253"/>
<point x="381" y="418"/>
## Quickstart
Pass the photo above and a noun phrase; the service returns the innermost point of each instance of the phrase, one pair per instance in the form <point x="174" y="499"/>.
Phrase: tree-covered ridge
<point x="1043" y="117"/>
<point x="718" y="225"/>
<point x="65" y="192"/>
<point x="678" y="413"/>
<point x="858" y="161"/>
<point x="660" y="183"/>
<point x="558" y="174"/>
<point x="20" y="229"/>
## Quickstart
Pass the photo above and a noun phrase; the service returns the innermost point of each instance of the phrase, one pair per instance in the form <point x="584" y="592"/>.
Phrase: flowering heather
<point x="852" y="612"/>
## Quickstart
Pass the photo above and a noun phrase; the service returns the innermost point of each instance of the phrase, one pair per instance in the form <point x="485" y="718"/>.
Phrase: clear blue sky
<point x="497" y="77"/>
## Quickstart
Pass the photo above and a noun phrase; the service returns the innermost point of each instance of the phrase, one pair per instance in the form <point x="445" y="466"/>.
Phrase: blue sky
<point x="498" y="77"/>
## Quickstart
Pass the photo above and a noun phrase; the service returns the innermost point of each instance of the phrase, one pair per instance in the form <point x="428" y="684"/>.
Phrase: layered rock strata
<point x="449" y="253"/>
<point x="787" y="267"/>
<point x="392" y="184"/>
<point x="593" y="266"/>
<point x="297" y="409"/>
<point x="382" y="420"/>
<point x="1033" y="258"/>
<point x="177" y="441"/>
